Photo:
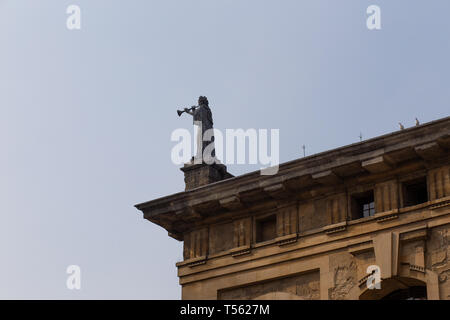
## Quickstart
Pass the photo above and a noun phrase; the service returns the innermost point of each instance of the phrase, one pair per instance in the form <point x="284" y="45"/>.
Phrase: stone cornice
<point x="179" y="211"/>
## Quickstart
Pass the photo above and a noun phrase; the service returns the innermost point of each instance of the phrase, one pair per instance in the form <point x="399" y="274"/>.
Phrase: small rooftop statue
<point x="202" y="118"/>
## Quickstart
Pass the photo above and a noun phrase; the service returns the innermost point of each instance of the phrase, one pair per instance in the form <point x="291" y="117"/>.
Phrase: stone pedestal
<point x="197" y="175"/>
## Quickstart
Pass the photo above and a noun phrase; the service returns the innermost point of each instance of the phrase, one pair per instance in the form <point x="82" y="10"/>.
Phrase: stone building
<point x="312" y="230"/>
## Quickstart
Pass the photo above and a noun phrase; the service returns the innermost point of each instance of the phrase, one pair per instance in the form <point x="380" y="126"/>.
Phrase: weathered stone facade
<point x="312" y="230"/>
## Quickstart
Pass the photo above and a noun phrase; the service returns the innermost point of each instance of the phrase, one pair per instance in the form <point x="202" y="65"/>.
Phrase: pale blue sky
<point x="86" y="116"/>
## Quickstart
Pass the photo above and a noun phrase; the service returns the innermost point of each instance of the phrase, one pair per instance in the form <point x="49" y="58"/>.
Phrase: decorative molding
<point x="414" y="267"/>
<point x="387" y="216"/>
<point x="420" y="233"/>
<point x="334" y="228"/>
<point x="231" y="203"/>
<point x="358" y="248"/>
<point x="440" y="205"/>
<point x="196" y="261"/>
<point x="288" y="239"/>
<point x="240" y="251"/>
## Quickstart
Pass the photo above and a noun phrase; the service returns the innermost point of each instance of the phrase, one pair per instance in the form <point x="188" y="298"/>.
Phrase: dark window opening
<point x="266" y="228"/>
<point x="415" y="192"/>
<point x="411" y="293"/>
<point x="363" y="205"/>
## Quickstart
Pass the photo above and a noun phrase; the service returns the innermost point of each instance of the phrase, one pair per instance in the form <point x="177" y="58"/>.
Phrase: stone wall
<point x="302" y="287"/>
<point x="302" y="216"/>
<point x="438" y="258"/>
<point x="409" y="254"/>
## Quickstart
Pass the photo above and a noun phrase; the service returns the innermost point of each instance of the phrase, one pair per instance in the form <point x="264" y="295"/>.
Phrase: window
<point x="369" y="208"/>
<point x="415" y="192"/>
<point x="266" y="228"/>
<point x="363" y="205"/>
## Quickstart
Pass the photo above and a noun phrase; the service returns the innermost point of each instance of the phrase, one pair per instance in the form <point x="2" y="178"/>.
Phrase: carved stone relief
<point x="304" y="287"/>
<point x="344" y="276"/>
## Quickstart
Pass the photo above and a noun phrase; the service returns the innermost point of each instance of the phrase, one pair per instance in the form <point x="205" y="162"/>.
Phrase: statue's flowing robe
<point x="203" y="114"/>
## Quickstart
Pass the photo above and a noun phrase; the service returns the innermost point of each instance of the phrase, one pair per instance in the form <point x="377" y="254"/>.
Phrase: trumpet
<point x="180" y="112"/>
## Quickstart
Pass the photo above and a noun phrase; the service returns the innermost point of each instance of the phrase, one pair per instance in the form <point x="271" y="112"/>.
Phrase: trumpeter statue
<point x="202" y="118"/>
<point x="204" y="167"/>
